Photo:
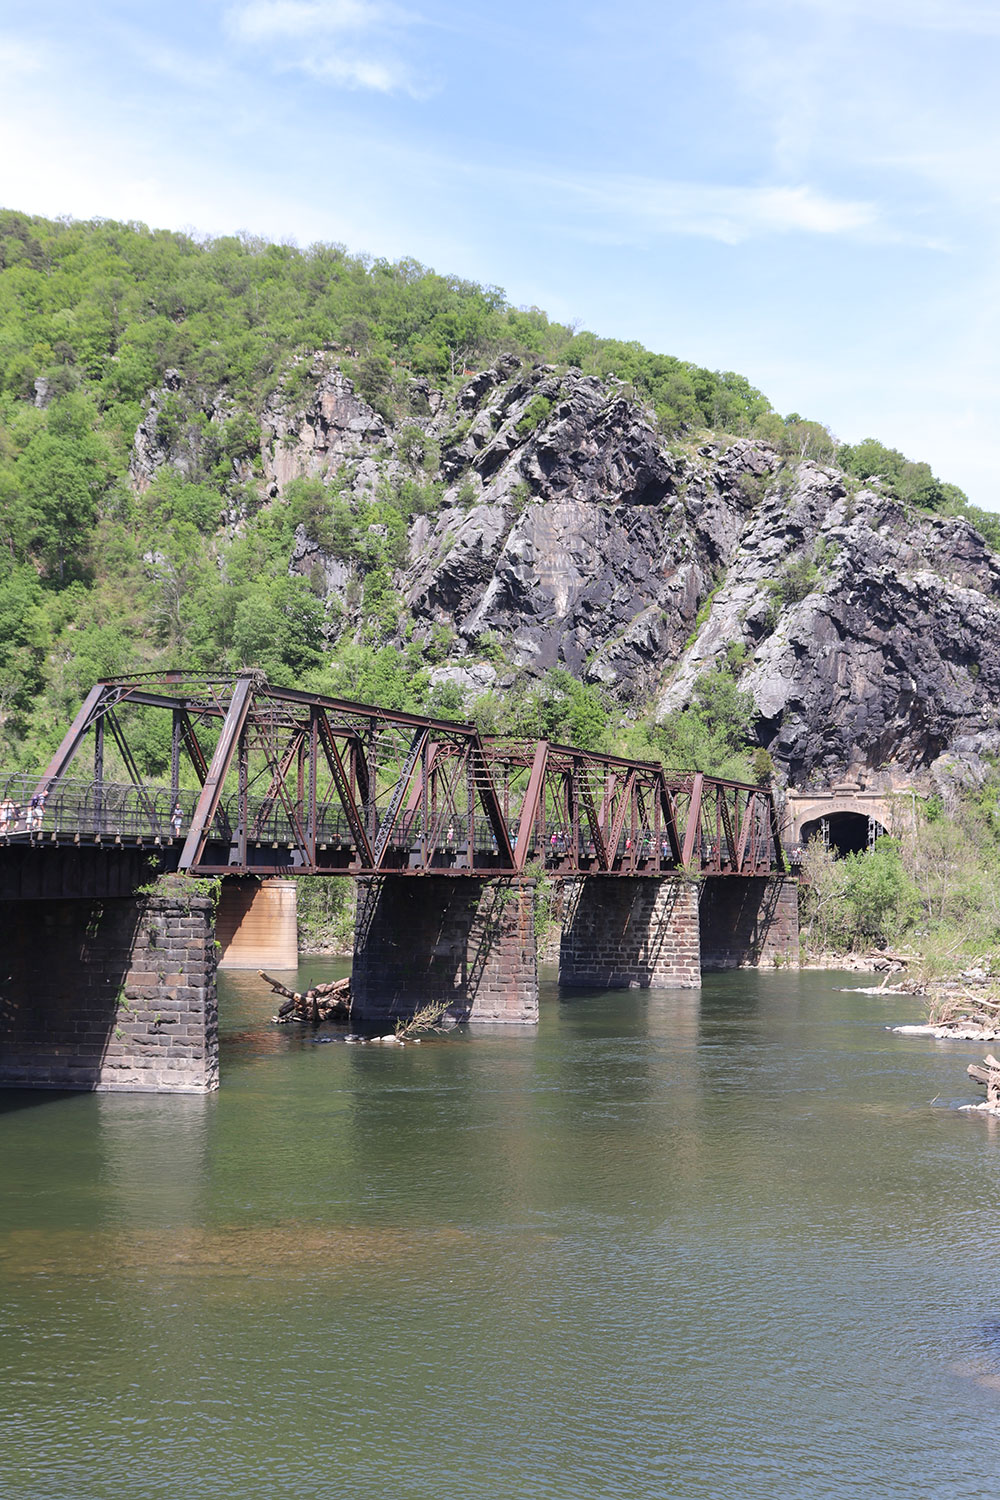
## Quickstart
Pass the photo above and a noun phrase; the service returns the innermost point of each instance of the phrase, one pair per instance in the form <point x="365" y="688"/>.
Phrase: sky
<point x="804" y="191"/>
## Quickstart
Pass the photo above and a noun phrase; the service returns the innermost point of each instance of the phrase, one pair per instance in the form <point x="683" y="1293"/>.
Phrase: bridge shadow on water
<point x="12" y="1100"/>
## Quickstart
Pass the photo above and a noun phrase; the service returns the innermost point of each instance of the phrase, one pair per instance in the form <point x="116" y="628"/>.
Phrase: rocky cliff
<point x="565" y="531"/>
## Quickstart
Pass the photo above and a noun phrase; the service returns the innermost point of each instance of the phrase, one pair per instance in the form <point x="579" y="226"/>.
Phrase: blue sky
<point x="806" y="191"/>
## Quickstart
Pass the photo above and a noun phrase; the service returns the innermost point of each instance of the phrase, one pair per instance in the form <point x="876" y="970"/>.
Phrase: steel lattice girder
<point x="293" y="782"/>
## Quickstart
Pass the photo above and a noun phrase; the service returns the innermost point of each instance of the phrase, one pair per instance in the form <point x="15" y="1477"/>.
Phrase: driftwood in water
<point x="987" y="1074"/>
<point x="324" y="1002"/>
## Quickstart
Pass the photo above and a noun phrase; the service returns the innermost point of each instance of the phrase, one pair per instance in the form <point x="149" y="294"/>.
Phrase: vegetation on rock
<point x="934" y="890"/>
<point x="233" y="453"/>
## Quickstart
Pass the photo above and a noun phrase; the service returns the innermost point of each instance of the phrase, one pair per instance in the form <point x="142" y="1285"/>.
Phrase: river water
<point x="740" y="1244"/>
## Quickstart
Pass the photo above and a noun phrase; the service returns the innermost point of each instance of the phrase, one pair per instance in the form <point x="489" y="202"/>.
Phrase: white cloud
<point x="17" y="59"/>
<point x="186" y="68"/>
<point x="268" y="20"/>
<point x="349" y="43"/>
<point x="720" y="212"/>
<point x="963" y="17"/>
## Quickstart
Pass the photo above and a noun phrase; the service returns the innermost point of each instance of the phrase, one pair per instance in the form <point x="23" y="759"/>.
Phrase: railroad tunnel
<point x="844" y="832"/>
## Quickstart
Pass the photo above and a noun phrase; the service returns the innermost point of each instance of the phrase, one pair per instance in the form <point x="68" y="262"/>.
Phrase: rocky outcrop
<point x="151" y="446"/>
<point x="872" y="636"/>
<point x="561" y="530"/>
<point x="333" y="427"/>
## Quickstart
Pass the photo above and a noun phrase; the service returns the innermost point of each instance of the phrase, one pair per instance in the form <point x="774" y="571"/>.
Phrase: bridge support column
<point x="109" y="995"/>
<point x="426" y="940"/>
<point x="631" y="933"/>
<point x="257" y="924"/>
<point x="749" y="921"/>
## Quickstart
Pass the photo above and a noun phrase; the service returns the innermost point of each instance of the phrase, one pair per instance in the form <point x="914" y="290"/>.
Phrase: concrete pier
<point x="256" y="924"/>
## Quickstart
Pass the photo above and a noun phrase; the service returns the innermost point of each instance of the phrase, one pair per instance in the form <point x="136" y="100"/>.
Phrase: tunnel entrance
<point x="844" y="832"/>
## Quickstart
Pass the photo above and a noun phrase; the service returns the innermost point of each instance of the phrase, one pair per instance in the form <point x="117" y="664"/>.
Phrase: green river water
<point x="735" y="1244"/>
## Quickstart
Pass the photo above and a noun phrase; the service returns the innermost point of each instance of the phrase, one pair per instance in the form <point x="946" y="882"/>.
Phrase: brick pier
<point x="467" y="943"/>
<point x="116" y="994"/>
<point x="749" y="922"/>
<point x="621" y="933"/>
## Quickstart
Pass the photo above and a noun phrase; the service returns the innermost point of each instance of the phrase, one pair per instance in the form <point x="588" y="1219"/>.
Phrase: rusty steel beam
<point x="343" y="782"/>
<point x="388" y="769"/>
<point x="625" y="797"/>
<point x="211" y="792"/>
<point x="692" y="828"/>
<point x="529" y="807"/>
<point x="72" y="739"/>
<point x="491" y="805"/>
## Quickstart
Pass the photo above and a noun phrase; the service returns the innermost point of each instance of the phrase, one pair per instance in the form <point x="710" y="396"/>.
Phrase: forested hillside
<point x="353" y="474"/>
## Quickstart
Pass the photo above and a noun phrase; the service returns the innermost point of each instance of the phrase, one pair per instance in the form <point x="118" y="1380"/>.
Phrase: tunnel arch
<point x="844" y="832"/>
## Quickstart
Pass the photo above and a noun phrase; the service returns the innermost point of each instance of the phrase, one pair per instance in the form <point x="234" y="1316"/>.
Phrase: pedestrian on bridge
<point x="176" y="819"/>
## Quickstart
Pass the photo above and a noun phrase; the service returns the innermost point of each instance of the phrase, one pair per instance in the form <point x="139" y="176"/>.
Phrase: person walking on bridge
<point x="36" y="812"/>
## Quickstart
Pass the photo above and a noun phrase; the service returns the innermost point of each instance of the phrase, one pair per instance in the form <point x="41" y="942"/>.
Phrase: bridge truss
<point x="273" y="781"/>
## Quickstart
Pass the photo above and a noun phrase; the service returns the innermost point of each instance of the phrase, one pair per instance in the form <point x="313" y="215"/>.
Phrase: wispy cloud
<point x="18" y="59"/>
<point x="352" y="44"/>
<point x="962" y="17"/>
<point x="179" y="66"/>
<point x="731" y="214"/>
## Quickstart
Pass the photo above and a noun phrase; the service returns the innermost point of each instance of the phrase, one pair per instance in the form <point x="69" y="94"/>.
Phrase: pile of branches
<point x="324" y="1002"/>
<point x="966" y="1007"/>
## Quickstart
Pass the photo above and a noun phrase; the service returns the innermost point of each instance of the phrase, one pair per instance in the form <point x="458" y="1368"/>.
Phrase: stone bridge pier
<point x="466" y="944"/>
<point x="109" y="993"/>
<point x="646" y="933"/>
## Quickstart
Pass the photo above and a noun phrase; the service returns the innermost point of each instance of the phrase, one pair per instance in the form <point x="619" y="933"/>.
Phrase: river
<point x="735" y="1244"/>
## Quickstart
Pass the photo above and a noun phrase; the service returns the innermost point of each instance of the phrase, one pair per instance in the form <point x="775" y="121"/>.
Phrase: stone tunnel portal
<point x="844" y="832"/>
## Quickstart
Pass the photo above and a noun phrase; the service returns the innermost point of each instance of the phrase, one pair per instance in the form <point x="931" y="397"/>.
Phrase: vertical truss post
<point x="238" y="840"/>
<point x="99" y="773"/>
<point x="371" y="804"/>
<point x="633" y="823"/>
<point x="574" y="800"/>
<point x="313" y="770"/>
<point x="777" y="852"/>
<point x="300" y="780"/>
<point x="745" y="834"/>
<point x="470" y="797"/>
<point x="426" y="847"/>
<point x="175" y="757"/>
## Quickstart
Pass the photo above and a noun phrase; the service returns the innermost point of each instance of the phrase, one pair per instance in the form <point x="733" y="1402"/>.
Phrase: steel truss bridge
<point x="287" y="782"/>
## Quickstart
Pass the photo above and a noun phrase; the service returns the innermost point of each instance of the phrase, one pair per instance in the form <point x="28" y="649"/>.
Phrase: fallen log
<point x="987" y="1075"/>
<point x="324" y="1002"/>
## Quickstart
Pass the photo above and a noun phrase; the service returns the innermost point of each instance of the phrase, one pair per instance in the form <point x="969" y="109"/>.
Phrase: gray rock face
<point x="573" y="535"/>
<point x="335" y="426"/>
<point x="889" y="661"/>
